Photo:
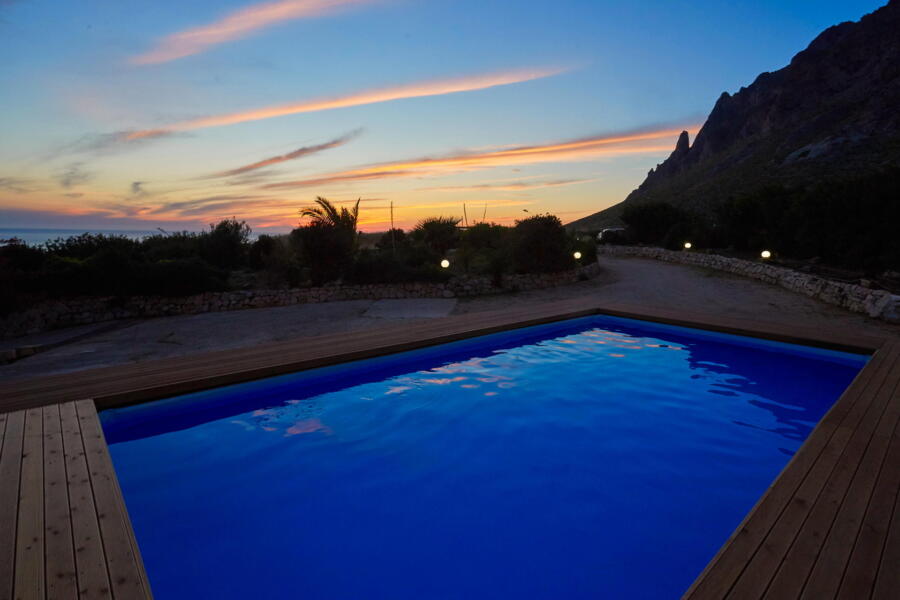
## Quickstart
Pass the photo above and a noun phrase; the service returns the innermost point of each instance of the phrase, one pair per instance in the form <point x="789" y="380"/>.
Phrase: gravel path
<point x="638" y="282"/>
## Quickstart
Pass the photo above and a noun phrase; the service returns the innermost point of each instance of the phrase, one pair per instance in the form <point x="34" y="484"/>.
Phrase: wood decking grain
<point x="828" y="527"/>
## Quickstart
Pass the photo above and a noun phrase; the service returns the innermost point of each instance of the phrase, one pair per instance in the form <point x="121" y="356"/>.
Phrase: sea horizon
<point x="40" y="235"/>
<point x="35" y="236"/>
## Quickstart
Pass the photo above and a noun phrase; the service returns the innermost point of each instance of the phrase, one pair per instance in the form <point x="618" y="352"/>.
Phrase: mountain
<point x="832" y="113"/>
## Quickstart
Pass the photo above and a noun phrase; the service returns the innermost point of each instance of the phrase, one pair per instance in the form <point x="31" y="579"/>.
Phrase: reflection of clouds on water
<point x="444" y="380"/>
<point x="294" y="417"/>
<point x="307" y="426"/>
<point x="397" y="389"/>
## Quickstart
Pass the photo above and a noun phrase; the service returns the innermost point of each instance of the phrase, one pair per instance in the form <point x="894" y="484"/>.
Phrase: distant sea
<point x="35" y="237"/>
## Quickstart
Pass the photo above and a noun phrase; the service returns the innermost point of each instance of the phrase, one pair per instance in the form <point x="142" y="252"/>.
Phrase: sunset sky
<point x="127" y="114"/>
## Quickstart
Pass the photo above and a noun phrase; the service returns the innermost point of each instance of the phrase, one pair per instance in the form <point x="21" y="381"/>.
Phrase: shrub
<point x="180" y="277"/>
<point x="540" y="245"/>
<point x="376" y="266"/>
<point x="327" y="250"/>
<point x="587" y="245"/>
<point x="437" y="234"/>
<point x="393" y="239"/>
<point x="168" y="246"/>
<point x="650" y="223"/>
<point x="224" y="245"/>
<point x="277" y="260"/>
<point x="261" y="252"/>
<point x="484" y="249"/>
<point x="88" y="244"/>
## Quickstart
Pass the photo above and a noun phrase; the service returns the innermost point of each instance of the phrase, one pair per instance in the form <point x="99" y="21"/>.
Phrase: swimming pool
<point x="595" y="457"/>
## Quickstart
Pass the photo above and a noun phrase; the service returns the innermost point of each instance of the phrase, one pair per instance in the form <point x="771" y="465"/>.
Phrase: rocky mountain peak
<point x="831" y="113"/>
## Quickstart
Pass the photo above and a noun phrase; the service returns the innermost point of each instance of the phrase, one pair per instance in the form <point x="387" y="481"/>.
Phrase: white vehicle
<point x="608" y="233"/>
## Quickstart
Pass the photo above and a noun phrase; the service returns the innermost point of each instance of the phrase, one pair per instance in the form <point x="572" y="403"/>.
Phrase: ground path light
<point x="445" y="263"/>
<point x="577" y="255"/>
<point x="765" y="254"/>
<point x="687" y="245"/>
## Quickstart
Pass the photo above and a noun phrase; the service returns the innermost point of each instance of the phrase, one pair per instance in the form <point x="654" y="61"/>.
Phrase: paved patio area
<point x="637" y="282"/>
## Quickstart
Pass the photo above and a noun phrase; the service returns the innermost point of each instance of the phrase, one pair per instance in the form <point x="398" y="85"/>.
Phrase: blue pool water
<point x="593" y="458"/>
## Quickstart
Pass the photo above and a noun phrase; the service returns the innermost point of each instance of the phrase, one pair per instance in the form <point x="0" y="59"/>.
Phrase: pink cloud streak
<point x="237" y="25"/>
<point x="414" y="90"/>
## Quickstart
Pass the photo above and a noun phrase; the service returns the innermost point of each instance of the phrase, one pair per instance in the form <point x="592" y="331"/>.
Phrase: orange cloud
<point x="568" y="151"/>
<point x="413" y="90"/>
<point x="300" y="152"/>
<point x="512" y="186"/>
<point x="237" y="25"/>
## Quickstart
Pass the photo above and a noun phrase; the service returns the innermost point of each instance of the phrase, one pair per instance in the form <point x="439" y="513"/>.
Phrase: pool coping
<point x="843" y="481"/>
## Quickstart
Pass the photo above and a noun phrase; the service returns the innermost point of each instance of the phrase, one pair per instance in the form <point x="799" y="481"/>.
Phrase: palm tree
<point x="440" y="234"/>
<point x="328" y="215"/>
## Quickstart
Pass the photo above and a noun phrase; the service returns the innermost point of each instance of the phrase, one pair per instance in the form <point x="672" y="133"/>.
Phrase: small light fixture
<point x="765" y="254"/>
<point x="687" y="245"/>
<point x="577" y="255"/>
<point x="445" y="263"/>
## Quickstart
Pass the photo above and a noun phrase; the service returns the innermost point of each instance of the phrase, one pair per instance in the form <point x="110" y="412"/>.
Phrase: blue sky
<point x="82" y="83"/>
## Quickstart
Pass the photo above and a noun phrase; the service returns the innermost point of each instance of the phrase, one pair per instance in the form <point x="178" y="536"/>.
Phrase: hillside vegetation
<point x="325" y="249"/>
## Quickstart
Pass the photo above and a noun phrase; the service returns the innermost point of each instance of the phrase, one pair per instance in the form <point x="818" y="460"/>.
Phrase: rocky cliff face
<point x="834" y="111"/>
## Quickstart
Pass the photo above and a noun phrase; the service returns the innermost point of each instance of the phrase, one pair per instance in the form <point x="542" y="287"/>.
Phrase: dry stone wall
<point x="81" y="311"/>
<point x="878" y="304"/>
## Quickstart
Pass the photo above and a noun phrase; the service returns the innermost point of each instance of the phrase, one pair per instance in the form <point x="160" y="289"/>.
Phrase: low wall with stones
<point x="82" y="311"/>
<point x="878" y="304"/>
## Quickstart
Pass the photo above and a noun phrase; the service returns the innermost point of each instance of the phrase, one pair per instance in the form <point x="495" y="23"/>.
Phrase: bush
<point x="377" y="266"/>
<point x="169" y="246"/>
<point x="540" y="245"/>
<point x="327" y="250"/>
<point x="850" y="223"/>
<point x="86" y="245"/>
<point x="393" y="239"/>
<point x="588" y="248"/>
<point x="261" y="252"/>
<point x="277" y="260"/>
<point x="225" y="243"/>
<point x="484" y="249"/>
<point x="180" y="277"/>
<point x="437" y="234"/>
<point x="651" y="223"/>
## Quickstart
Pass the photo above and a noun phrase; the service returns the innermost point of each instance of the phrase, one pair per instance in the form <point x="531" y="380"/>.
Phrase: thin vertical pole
<point x="465" y="216"/>
<point x="393" y="243"/>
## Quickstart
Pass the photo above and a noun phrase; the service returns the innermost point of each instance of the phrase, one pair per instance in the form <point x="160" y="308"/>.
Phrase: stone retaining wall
<point x="81" y="311"/>
<point x="878" y="304"/>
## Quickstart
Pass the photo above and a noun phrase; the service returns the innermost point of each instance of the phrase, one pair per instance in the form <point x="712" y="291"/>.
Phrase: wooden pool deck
<point x="828" y="527"/>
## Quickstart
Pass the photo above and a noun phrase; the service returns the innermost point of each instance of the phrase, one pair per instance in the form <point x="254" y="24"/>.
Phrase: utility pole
<point x="465" y="216"/>
<point x="393" y="242"/>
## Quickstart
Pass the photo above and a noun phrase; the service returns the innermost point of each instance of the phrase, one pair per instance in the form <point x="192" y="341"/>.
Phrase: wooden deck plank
<point x="29" y="579"/>
<point x="887" y="581"/>
<point x="10" y="471"/>
<point x="828" y="473"/>
<point x="718" y="578"/>
<point x="90" y="558"/>
<point x="862" y="568"/>
<point x="835" y="515"/>
<point x="126" y="571"/>
<point x="60" y="552"/>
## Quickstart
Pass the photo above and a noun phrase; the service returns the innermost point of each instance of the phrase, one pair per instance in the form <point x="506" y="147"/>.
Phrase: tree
<point x="438" y="234"/>
<point x="225" y="244"/>
<point x="327" y="214"/>
<point x="540" y="245"/>
<point x="329" y="242"/>
<point x="649" y="223"/>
